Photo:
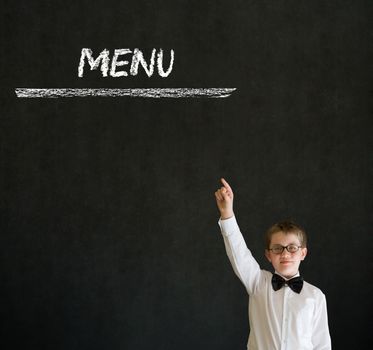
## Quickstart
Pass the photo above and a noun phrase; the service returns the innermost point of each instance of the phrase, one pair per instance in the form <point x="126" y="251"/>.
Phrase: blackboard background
<point x="108" y="227"/>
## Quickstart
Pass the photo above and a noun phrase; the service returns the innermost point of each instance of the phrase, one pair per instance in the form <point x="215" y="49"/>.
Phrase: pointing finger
<point x="226" y="185"/>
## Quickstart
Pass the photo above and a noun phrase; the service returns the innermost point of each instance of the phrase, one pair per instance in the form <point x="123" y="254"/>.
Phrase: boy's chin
<point x="287" y="271"/>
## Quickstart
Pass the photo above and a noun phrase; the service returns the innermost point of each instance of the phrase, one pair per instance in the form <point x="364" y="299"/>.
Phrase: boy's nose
<point x="285" y="252"/>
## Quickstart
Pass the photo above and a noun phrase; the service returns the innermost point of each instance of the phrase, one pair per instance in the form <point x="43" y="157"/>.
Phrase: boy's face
<point x="286" y="264"/>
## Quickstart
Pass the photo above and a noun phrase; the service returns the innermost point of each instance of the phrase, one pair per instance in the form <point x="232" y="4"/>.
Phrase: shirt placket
<point x="285" y="319"/>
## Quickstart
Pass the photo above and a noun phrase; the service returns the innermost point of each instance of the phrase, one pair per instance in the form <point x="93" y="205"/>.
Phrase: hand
<point x="224" y="200"/>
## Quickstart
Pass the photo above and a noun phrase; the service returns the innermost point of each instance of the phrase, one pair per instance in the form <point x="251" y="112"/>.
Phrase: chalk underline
<point x="132" y="92"/>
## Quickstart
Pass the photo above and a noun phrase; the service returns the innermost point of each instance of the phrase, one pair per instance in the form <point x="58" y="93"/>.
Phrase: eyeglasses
<point x="278" y="249"/>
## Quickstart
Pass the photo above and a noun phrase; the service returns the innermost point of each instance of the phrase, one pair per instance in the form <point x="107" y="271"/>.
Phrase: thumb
<point x="225" y="194"/>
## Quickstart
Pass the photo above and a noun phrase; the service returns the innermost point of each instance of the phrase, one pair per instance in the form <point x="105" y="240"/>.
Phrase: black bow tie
<point x="296" y="283"/>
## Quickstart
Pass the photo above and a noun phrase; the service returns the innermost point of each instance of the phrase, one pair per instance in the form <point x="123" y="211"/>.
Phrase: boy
<point x="285" y="312"/>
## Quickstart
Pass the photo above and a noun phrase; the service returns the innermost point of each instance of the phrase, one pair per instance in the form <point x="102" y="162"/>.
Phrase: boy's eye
<point x="277" y="249"/>
<point x="292" y="248"/>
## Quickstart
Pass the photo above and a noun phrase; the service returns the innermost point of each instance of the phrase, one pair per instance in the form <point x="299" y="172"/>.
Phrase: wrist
<point x="226" y="214"/>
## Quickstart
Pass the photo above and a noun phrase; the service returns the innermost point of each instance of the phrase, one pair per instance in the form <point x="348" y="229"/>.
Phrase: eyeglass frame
<point x="285" y="247"/>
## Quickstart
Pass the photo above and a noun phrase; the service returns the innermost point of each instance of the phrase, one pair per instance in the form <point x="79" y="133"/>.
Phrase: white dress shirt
<point x="279" y="320"/>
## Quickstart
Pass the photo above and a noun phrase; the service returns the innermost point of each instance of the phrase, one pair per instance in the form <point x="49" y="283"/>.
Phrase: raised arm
<point x="243" y="263"/>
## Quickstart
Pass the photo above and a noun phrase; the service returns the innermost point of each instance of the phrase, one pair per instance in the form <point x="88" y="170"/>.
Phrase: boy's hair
<point x="286" y="227"/>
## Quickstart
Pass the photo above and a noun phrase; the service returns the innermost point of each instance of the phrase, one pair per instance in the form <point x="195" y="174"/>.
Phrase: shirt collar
<point x="287" y="279"/>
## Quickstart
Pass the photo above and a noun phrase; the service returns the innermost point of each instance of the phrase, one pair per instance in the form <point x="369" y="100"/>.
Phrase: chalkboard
<point x="109" y="235"/>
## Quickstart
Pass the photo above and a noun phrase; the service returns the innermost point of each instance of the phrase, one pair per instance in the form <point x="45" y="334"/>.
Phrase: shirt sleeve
<point x="244" y="265"/>
<point x="320" y="336"/>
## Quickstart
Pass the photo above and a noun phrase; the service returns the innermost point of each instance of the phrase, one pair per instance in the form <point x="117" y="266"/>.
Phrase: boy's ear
<point x="268" y="256"/>
<point x="304" y="253"/>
